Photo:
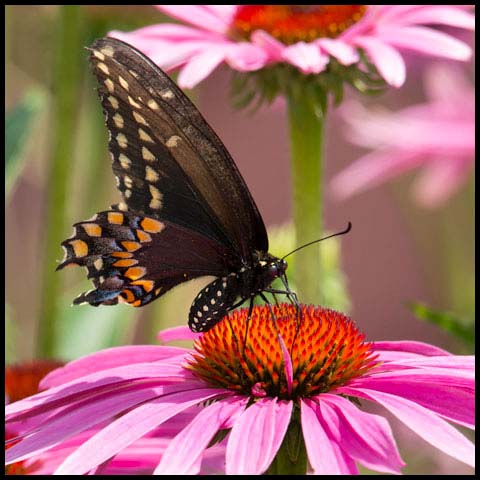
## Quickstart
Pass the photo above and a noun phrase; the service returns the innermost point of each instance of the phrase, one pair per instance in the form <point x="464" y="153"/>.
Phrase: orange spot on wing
<point x="147" y="285"/>
<point x="143" y="236"/>
<point x="128" y="262"/>
<point x="115" y="218"/>
<point x="131" y="246"/>
<point x="134" y="273"/>
<point x="152" y="226"/>
<point x="121" y="255"/>
<point x="80" y="248"/>
<point x="92" y="229"/>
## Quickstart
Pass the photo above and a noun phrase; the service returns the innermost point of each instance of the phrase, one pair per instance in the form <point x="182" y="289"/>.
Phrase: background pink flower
<point x="250" y="37"/>
<point x="438" y="136"/>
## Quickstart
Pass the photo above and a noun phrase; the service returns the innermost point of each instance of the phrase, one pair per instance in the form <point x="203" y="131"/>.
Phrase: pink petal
<point x="199" y="67"/>
<point x="269" y="44"/>
<point x="145" y="38"/>
<point x="177" y="333"/>
<point x="202" y="16"/>
<point x="306" y="56"/>
<point x="324" y="455"/>
<point x="426" y="40"/>
<point x="388" y="61"/>
<point x="371" y="170"/>
<point x="439" y="180"/>
<point x="99" y="381"/>
<point x="246" y="57"/>
<point x="80" y="416"/>
<point x="440" y="15"/>
<point x="109" y="358"/>
<point x="366" y="437"/>
<point x="424" y="423"/>
<point x="184" y="453"/>
<point x="256" y="437"/>
<point x="456" y="403"/>
<point x="408" y="346"/>
<point x="343" y="52"/>
<point x="447" y="82"/>
<point x="128" y="428"/>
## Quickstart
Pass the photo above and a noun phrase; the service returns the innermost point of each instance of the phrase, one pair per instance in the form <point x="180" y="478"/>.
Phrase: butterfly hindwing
<point x="138" y="258"/>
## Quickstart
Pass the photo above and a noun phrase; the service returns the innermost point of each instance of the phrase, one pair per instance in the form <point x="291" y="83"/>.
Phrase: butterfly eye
<point x="273" y="270"/>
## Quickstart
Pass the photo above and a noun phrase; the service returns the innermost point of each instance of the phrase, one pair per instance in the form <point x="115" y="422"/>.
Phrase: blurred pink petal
<point x="440" y="138"/>
<point x="388" y="61"/>
<point x="421" y="40"/>
<point x="306" y="56"/>
<point x="207" y="17"/>
<point x="199" y="67"/>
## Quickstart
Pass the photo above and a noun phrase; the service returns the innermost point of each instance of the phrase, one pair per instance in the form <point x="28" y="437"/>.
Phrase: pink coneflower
<point x="438" y="136"/>
<point x="250" y="37"/>
<point x="243" y="395"/>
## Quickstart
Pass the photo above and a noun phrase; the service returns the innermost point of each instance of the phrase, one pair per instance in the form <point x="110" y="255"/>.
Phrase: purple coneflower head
<point x="247" y="401"/>
<point x="308" y="37"/>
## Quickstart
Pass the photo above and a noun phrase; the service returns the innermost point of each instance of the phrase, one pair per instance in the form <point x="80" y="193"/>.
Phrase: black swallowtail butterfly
<point x="186" y="211"/>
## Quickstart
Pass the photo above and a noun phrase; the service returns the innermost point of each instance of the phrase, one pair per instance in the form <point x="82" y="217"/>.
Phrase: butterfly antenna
<point x="343" y="232"/>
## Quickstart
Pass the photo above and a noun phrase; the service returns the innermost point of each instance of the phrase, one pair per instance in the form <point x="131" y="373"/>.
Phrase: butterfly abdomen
<point x="213" y="302"/>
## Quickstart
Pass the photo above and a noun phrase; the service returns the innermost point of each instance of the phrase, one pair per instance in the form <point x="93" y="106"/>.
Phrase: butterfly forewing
<point x="178" y="131"/>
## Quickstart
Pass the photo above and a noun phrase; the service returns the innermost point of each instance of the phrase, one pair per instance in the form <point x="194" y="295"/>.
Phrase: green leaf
<point x="446" y="321"/>
<point x="18" y="125"/>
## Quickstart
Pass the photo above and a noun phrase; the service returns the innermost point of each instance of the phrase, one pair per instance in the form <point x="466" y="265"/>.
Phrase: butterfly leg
<point x="250" y="308"/>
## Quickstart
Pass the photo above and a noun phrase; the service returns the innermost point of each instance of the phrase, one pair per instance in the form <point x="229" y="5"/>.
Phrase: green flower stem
<point x="67" y="77"/>
<point x="306" y="121"/>
<point x="291" y="458"/>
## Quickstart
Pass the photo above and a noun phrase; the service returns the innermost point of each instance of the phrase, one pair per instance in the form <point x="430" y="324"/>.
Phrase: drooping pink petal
<point x="388" y="61"/>
<point x="106" y="359"/>
<point x="177" y="333"/>
<point x="246" y="57"/>
<point x="94" y="382"/>
<point x="342" y="51"/>
<point x="364" y="436"/>
<point x="448" y="84"/>
<point x="80" y="416"/>
<point x="455" y="403"/>
<point x="371" y="170"/>
<point x="439" y="15"/>
<point x="438" y="180"/>
<point x="184" y="452"/>
<point x="145" y="38"/>
<point x="324" y="454"/>
<point x="199" y="67"/>
<point x="410" y="346"/>
<point x="202" y="16"/>
<point x="306" y="56"/>
<point x="271" y="45"/>
<point x="421" y="39"/>
<point x="256" y="437"/>
<point x="128" y="428"/>
<point x="424" y="423"/>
